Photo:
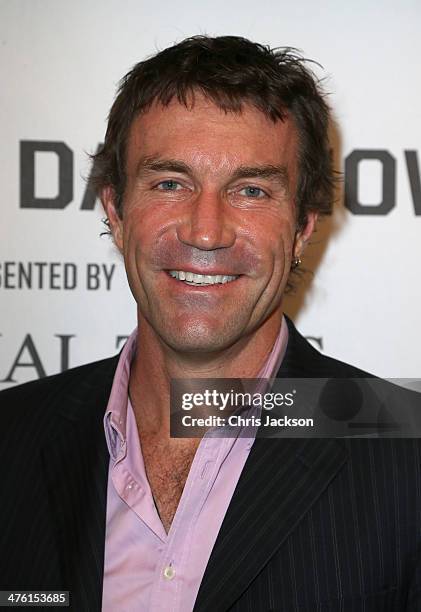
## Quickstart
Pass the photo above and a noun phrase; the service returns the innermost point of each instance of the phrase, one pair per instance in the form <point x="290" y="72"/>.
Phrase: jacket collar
<point x="76" y="467"/>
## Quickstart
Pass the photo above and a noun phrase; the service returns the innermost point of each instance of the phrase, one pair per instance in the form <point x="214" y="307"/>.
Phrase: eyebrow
<point x="267" y="171"/>
<point x="276" y="173"/>
<point x="158" y="164"/>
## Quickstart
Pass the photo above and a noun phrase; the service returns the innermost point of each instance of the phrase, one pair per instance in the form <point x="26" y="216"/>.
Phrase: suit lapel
<point x="281" y="480"/>
<point x="76" y="468"/>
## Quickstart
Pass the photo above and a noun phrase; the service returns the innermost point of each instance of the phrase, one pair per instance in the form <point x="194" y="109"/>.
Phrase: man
<point x="214" y="169"/>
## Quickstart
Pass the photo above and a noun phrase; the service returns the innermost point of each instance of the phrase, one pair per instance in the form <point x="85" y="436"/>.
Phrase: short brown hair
<point x="230" y="71"/>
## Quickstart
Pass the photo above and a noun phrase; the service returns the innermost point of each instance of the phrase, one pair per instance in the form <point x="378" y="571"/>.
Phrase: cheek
<point x="134" y="250"/>
<point x="139" y="231"/>
<point x="274" y="241"/>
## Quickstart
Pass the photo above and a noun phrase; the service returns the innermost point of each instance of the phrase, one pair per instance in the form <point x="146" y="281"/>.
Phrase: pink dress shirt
<point x="146" y="569"/>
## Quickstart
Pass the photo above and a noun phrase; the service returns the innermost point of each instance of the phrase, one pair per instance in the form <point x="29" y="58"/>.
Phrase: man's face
<point x="209" y="222"/>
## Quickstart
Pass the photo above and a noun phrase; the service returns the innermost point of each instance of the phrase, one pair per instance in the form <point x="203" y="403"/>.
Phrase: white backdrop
<point x="60" y="63"/>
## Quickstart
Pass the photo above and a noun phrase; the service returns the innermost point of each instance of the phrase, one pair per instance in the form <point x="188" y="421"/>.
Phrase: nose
<point x="207" y="224"/>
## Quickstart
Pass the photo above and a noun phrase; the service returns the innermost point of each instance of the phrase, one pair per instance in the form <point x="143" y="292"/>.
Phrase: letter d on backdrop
<point x="28" y="148"/>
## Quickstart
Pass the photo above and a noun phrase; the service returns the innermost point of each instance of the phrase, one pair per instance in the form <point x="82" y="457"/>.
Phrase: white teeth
<point x="201" y="279"/>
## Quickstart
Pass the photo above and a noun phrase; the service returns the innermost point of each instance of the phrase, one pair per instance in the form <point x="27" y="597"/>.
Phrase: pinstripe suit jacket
<point x="314" y="525"/>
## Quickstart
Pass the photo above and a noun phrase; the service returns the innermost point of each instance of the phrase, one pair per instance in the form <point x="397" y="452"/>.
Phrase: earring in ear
<point x="296" y="262"/>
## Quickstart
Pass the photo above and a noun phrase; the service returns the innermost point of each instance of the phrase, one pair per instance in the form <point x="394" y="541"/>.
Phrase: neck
<point x="155" y="364"/>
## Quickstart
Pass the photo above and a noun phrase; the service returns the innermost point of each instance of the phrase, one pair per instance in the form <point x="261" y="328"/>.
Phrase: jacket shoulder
<point x="303" y="360"/>
<point x="36" y="398"/>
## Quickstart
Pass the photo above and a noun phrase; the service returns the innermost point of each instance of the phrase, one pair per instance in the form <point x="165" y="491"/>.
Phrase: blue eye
<point x="253" y="192"/>
<point x="168" y="185"/>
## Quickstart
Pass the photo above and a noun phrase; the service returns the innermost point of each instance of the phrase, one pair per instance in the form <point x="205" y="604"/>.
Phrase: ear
<point x="304" y="234"/>
<point x="108" y="199"/>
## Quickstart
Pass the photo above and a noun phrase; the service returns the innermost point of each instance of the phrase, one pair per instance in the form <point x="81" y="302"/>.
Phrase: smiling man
<point x="214" y="169"/>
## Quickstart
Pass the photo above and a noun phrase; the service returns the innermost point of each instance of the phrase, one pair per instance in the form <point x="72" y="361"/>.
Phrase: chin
<point x="198" y="337"/>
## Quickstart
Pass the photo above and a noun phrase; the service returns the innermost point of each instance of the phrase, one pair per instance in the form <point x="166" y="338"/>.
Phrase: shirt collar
<point x="115" y="418"/>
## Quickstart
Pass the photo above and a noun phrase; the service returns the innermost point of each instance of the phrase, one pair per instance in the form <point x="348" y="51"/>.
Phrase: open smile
<point x="201" y="280"/>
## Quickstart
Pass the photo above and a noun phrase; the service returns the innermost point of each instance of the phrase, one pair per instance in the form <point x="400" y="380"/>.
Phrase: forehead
<point x="207" y="136"/>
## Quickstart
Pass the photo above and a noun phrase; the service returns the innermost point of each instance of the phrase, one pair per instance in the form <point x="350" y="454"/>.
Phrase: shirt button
<point x="169" y="572"/>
